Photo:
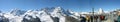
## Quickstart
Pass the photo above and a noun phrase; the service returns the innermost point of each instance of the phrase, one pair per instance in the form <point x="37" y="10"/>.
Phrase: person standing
<point x="88" y="18"/>
<point x="118" y="13"/>
<point x="83" y="19"/>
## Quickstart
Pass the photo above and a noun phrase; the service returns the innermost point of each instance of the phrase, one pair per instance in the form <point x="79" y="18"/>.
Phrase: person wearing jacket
<point x="118" y="13"/>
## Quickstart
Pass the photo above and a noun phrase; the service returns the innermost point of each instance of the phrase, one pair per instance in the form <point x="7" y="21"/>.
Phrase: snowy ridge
<point x="43" y="15"/>
<point x="54" y="14"/>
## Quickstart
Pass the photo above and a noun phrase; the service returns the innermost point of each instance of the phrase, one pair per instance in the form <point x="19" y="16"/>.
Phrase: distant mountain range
<point x="54" y="14"/>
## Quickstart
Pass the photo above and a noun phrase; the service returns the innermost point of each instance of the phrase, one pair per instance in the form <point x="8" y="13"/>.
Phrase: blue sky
<point x="75" y="5"/>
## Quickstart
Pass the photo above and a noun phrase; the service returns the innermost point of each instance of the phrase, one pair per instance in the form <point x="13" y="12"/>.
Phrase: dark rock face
<point x="31" y="20"/>
<point x="55" y="19"/>
<point x="71" y="19"/>
<point x="3" y="19"/>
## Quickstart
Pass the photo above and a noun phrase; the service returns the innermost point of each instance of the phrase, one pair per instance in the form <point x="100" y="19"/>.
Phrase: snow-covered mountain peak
<point x="58" y="9"/>
<point x="43" y="15"/>
<point x="17" y="12"/>
<point x="100" y="11"/>
<point x="70" y="11"/>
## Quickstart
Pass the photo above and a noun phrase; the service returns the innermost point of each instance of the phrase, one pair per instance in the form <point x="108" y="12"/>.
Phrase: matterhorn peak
<point x="100" y="11"/>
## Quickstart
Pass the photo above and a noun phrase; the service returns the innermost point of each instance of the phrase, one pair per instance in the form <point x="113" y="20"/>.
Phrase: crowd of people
<point x="92" y="18"/>
<point x="98" y="18"/>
